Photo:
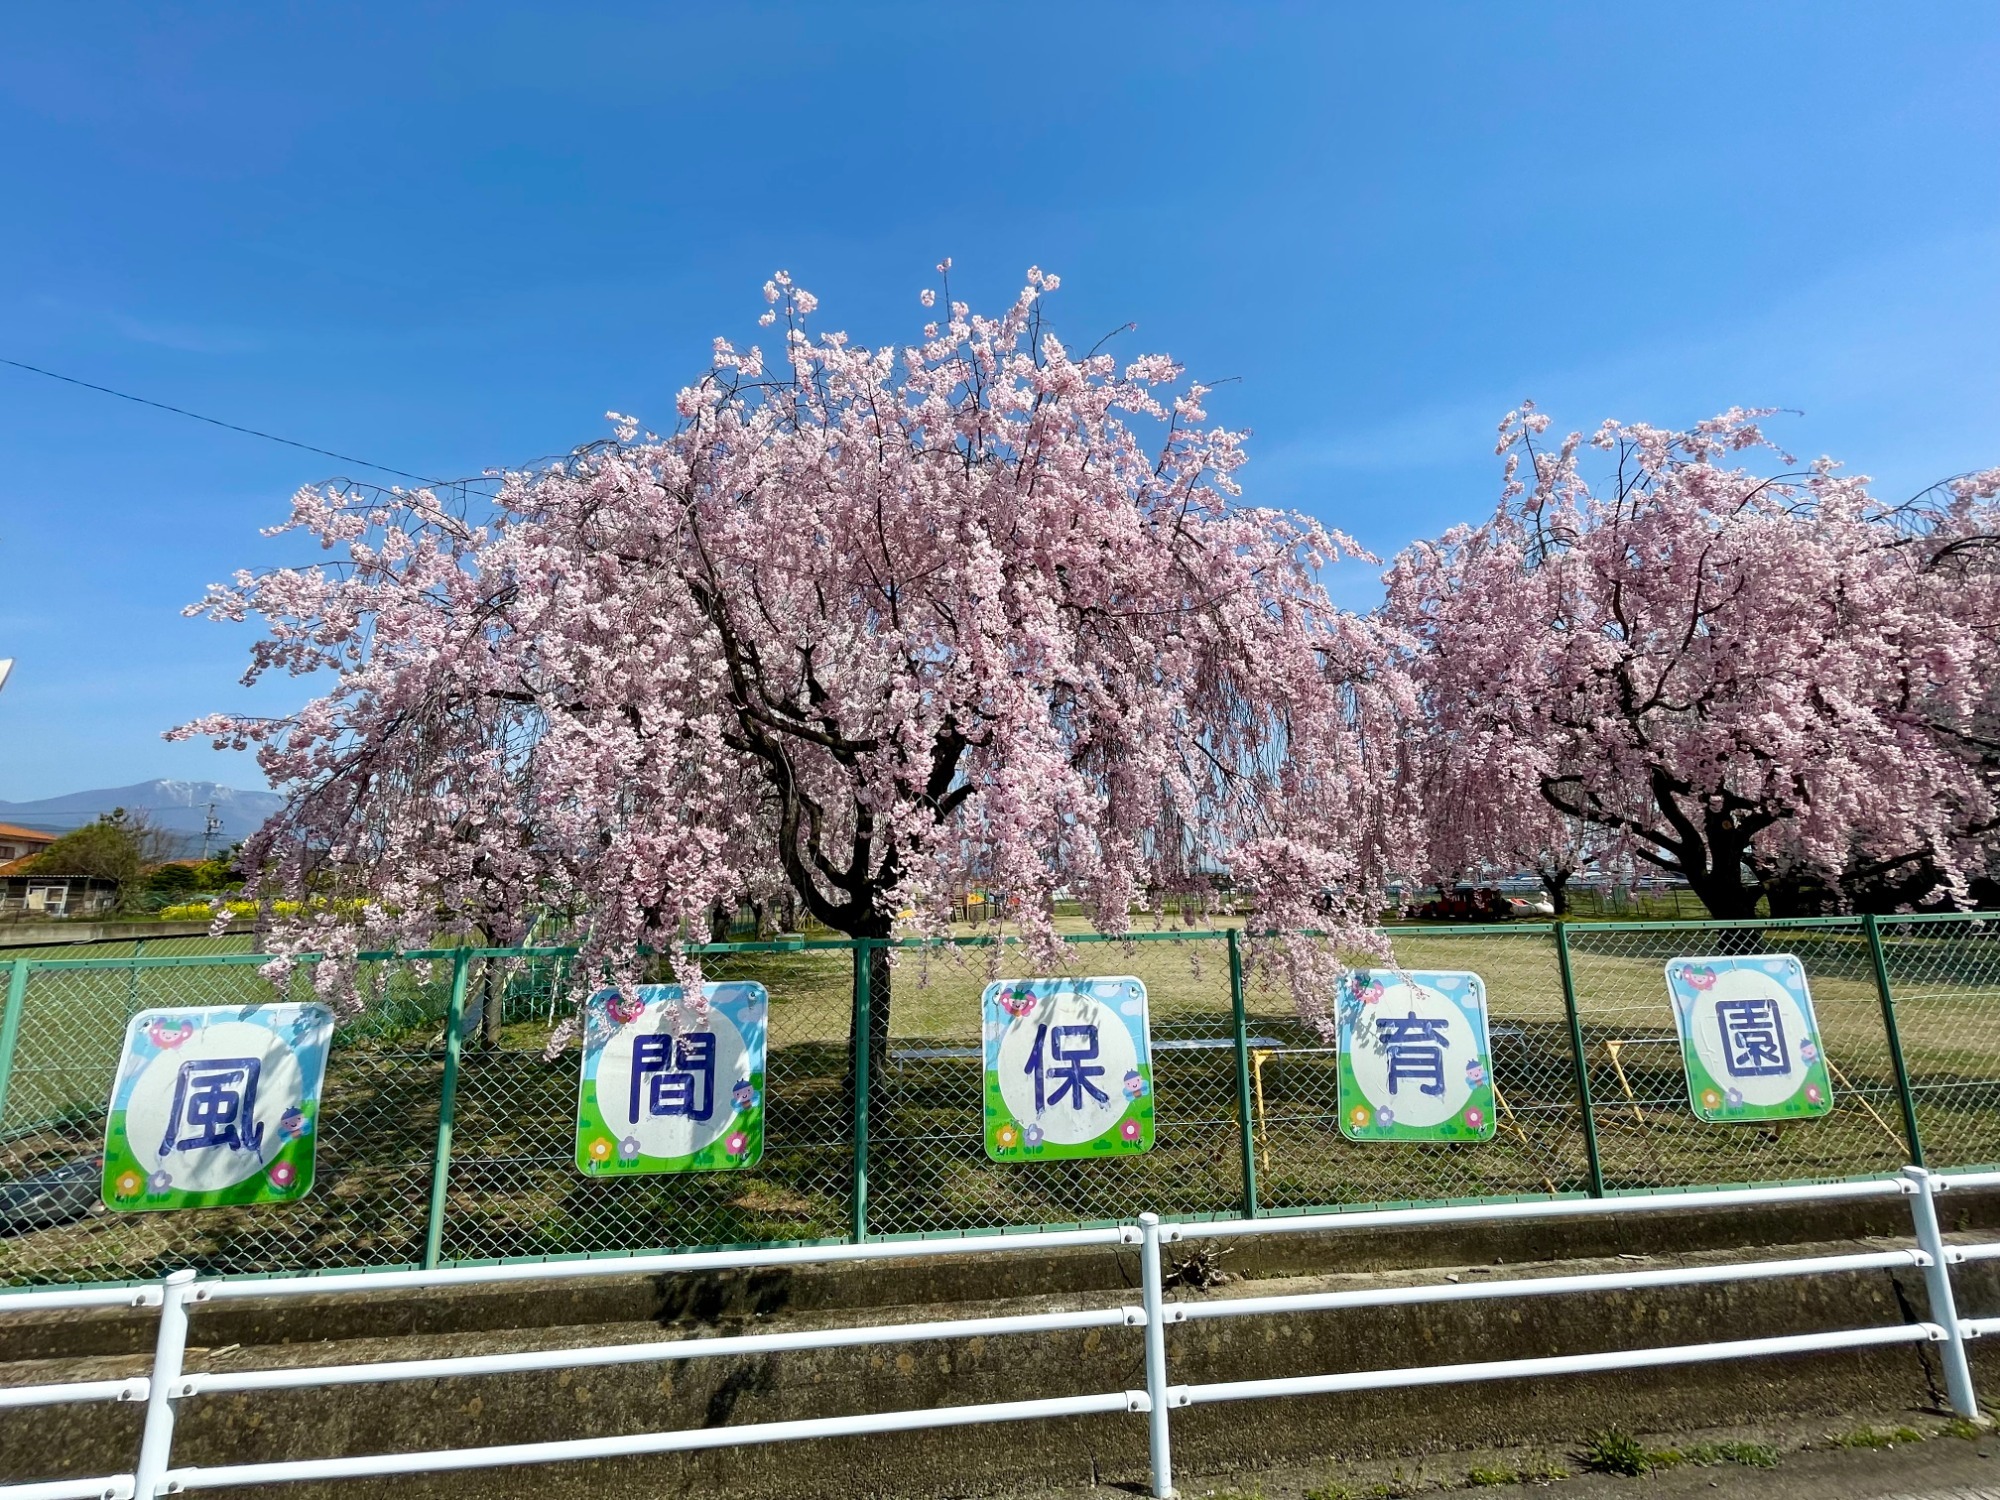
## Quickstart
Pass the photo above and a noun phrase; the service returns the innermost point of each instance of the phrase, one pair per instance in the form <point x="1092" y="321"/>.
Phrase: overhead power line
<point x="269" y="437"/>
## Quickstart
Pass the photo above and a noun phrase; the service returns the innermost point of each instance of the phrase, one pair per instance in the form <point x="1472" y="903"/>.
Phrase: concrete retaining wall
<point x="707" y="1393"/>
<point x="44" y="934"/>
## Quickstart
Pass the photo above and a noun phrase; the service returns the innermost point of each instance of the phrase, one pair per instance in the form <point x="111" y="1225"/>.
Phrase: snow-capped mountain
<point x="179" y="807"/>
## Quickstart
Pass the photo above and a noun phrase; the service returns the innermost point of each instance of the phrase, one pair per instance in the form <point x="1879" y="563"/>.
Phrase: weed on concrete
<point x="1875" y="1437"/>
<point x="1749" y="1455"/>
<point x="1480" y="1476"/>
<point x="1615" y="1451"/>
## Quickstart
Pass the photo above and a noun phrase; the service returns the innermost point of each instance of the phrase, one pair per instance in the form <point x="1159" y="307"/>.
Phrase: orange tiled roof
<point x="11" y="831"/>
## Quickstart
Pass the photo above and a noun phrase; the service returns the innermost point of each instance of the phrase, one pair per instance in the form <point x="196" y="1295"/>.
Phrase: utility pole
<point x="209" y="830"/>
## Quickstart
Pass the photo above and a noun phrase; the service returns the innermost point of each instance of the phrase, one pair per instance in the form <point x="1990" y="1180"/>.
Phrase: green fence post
<point x="454" y="1042"/>
<point x="1895" y="1036"/>
<point x="1246" y="1122"/>
<point x="10" y="1026"/>
<point x="862" y="1041"/>
<point x="1577" y="1060"/>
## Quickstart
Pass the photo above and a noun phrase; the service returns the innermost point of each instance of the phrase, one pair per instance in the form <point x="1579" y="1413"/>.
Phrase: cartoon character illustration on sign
<point x="166" y="1034"/>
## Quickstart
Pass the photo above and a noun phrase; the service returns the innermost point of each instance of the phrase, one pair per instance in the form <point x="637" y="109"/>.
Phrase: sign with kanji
<point x="672" y="1083"/>
<point x="1415" y="1063"/>
<point x="1069" y="1069"/>
<point x="216" y="1106"/>
<point x="1749" y="1040"/>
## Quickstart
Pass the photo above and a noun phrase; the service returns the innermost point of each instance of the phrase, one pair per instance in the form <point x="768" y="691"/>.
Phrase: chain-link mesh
<point x="378" y="1120"/>
<point x="928" y="1169"/>
<point x="512" y="1188"/>
<point x="1537" y="1146"/>
<point x="1648" y="1136"/>
<point x="1945" y="977"/>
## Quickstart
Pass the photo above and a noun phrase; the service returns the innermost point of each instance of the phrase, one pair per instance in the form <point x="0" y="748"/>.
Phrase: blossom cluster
<point x="1743" y="674"/>
<point x="870" y="624"/>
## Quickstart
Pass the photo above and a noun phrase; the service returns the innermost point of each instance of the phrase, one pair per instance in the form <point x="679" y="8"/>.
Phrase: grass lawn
<point x="513" y="1190"/>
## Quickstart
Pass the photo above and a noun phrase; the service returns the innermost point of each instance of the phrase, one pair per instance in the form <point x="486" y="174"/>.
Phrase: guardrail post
<point x="1937" y="1286"/>
<point x="156" y="1446"/>
<point x="1894" y="1033"/>
<point x="1583" y="1100"/>
<point x="10" y="1026"/>
<point x="1151" y="1287"/>
<point x="1245" y="1121"/>
<point x="454" y="1044"/>
<point x="862" y="1044"/>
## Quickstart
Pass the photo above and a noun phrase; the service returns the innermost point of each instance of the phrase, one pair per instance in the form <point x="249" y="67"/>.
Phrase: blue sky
<point x="447" y="237"/>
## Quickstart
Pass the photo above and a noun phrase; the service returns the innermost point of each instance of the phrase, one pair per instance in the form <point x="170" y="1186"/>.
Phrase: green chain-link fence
<point x="1646" y="1134"/>
<point x="927" y="1166"/>
<point x="433" y="1152"/>
<point x="1538" y="1142"/>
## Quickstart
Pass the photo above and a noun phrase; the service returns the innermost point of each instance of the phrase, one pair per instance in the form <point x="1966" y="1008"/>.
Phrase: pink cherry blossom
<point x="871" y="624"/>
<point x="1708" y="668"/>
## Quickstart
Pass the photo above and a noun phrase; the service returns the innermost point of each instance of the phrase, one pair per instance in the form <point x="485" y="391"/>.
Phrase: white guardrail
<point x="170" y="1385"/>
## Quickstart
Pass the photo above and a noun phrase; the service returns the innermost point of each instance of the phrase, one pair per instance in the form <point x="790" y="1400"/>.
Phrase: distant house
<point x="23" y="895"/>
<point x="20" y="843"/>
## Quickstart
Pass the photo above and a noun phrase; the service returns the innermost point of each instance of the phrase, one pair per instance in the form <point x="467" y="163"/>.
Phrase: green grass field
<point x="513" y="1189"/>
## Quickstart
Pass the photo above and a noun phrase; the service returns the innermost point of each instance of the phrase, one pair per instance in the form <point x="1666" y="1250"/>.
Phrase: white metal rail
<point x="168" y="1384"/>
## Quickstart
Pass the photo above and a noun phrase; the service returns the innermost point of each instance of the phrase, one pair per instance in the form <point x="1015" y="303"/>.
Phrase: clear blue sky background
<point x="446" y="237"/>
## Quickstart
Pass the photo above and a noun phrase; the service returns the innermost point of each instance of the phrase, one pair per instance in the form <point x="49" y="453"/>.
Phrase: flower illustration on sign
<point x="129" y="1183"/>
<point x="1475" y="1118"/>
<point x="1734" y="1097"/>
<point x="283" y="1174"/>
<point x="1032" y="1135"/>
<point x="160" y="1181"/>
<point x="1008" y="1136"/>
<point x="1385" y="1117"/>
<point x="1358" y="1116"/>
<point x="1711" y="1099"/>
<point x="737" y="1143"/>
<point x="600" y="1149"/>
<point x="1130" y="1130"/>
<point x="1812" y="1093"/>
<point x="628" y="1149"/>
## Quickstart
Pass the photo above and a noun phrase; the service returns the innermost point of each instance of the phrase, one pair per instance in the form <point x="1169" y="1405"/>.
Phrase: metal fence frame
<point x="154" y="1475"/>
<point x="1253" y="1203"/>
